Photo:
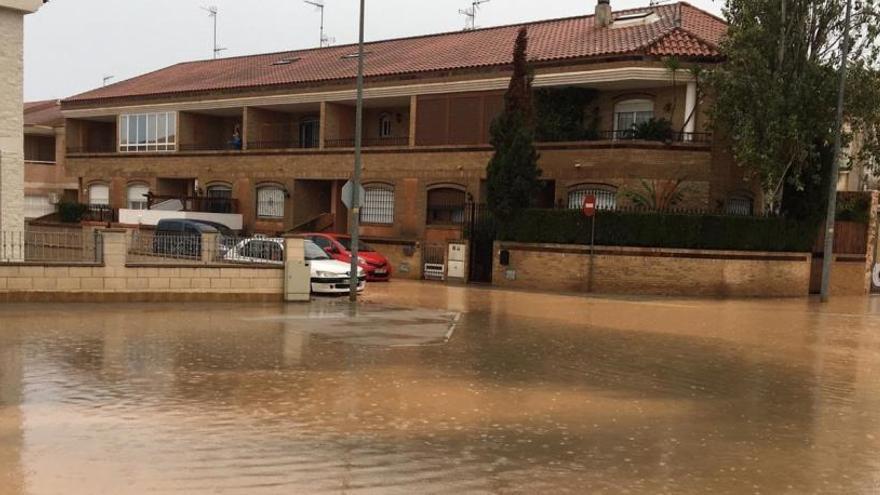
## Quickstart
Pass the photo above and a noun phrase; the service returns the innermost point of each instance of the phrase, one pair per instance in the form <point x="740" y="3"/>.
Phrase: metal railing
<point x="368" y="142"/>
<point x="247" y="250"/>
<point x="215" y="146"/>
<point x="148" y="247"/>
<point x="671" y="137"/>
<point x="94" y="148"/>
<point x="205" y="204"/>
<point x="50" y="247"/>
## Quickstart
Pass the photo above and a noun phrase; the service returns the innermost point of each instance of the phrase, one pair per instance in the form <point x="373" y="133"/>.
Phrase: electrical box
<point x="297" y="281"/>
<point x="457" y="256"/>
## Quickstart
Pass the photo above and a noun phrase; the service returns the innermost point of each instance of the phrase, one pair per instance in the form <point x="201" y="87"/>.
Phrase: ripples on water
<point x="532" y="394"/>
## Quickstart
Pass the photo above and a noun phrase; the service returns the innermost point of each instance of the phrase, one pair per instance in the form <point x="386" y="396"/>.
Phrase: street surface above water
<point x="435" y="389"/>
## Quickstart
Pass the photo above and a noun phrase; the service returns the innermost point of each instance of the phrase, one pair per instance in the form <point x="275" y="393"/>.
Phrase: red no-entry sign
<point x="589" y="206"/>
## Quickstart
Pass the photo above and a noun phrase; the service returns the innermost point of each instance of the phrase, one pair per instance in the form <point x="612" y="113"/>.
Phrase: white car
<point x="329" y="276"/>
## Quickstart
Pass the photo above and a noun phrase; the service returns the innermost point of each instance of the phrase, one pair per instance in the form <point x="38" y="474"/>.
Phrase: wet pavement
<point x="429" y="389"/>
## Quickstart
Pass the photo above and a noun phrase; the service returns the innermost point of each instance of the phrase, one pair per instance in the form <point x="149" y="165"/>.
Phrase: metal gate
<point x="480" y="232"/>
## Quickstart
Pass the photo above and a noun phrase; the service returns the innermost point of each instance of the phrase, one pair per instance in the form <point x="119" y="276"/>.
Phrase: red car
<point x="339" y="248"/>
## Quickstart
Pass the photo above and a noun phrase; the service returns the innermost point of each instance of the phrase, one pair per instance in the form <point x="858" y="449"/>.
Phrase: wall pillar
<point x="11" y="120"/>
<point x="690" y="105"/>
<point x="114" y="247"/>
<point x="297" y="272"/>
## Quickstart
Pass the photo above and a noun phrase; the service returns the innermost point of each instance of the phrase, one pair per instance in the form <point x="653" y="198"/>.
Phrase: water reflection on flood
<point x="533" y="393"/>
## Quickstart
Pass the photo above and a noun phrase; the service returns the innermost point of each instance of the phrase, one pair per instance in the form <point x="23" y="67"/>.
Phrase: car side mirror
<point x="330" y="250"/>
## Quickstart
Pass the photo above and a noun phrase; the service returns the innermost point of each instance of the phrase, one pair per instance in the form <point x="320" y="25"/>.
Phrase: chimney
<point x="603" y="13"/>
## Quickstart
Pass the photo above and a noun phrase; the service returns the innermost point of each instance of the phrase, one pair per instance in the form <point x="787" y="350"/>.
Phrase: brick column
<point x="115" y="247"/>
<point x="11" y="120"/>
<point x="209" y="247"/>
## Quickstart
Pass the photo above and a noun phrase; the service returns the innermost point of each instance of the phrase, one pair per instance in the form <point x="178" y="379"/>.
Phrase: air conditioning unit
<point x="54" y="198"/>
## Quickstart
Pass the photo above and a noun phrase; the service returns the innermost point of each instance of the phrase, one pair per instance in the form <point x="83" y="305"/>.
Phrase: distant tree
<point x="513" y="176"/>
<point x="775" y="95"/>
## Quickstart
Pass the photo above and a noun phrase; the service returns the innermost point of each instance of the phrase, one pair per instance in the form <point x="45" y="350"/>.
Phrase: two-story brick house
<point x="271" y="136"/>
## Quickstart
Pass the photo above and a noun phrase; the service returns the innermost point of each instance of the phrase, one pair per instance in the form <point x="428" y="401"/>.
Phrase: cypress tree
<point x="513" y="176"/>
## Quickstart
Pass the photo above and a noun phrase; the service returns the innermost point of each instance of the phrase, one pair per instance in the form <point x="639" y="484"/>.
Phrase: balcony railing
<point x="281" y="144"/>
<point x="93" y="148"/>
<point x="672" y="137"/>
<point x="203" y="204"/>
<point x="368" y="142"/>
<point x="209" y="147"/>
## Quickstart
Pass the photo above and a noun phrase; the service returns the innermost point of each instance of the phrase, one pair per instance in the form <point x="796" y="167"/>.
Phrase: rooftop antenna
<point x="324" y="40"/>
<point x="471" y="14"/>
<point x="107" y="79"/>
<point x="212" y="13"/>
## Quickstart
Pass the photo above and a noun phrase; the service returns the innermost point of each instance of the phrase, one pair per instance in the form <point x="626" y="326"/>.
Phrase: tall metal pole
<point x="215" y="34"/>
<point x="356" y="179"/>
<point x="828" y="256"/>
<point x="321" y="41"/>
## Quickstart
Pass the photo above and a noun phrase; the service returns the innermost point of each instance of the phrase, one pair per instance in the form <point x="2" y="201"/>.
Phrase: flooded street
<point x="431" y="389"/>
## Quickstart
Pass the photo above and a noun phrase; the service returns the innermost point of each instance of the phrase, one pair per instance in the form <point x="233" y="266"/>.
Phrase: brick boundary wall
<point x="653" y="271"/>
<point x="116" y="280"/>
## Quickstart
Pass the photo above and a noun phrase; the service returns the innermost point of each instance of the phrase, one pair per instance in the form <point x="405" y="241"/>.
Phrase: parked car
<point x="328" y="276"/>
<point x="339" y="248"/>
<point x="182" y="238"/>
<point x="228" y="237"/>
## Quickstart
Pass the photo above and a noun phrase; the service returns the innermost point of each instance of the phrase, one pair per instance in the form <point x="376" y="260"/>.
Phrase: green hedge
<point x="665" y="230"/>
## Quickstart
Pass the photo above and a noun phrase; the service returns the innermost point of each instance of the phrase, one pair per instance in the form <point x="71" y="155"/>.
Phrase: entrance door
<point x="480" y="233"/>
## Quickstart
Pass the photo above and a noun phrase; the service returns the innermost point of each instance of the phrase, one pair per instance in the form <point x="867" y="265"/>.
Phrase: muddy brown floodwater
<point x="530" y="393"/>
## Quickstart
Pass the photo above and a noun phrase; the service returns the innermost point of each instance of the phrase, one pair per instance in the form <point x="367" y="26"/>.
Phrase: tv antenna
<point x="212" y="13"/>
<point x="107" y="79"/>
<point x="324" y="39"/>
<point x="471" y="14"/>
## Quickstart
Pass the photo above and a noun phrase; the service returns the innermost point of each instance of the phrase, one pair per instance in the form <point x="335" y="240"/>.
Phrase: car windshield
<point x="313" y="252"/>
<point x="362" y="246"/>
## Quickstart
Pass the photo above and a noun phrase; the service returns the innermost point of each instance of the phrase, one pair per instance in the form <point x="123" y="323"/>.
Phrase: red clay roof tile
<point x="681" y="30"/>
<point x="45" y="113"/>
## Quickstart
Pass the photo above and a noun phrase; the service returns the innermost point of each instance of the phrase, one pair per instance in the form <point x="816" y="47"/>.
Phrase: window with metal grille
<point x="270" y="202"/>
<point x="445" y="206"/>
<point x="137" y="196"/>
<point x="606" y="198"/>
<point x="378" y="205"/>
<point x="739" y="205"/>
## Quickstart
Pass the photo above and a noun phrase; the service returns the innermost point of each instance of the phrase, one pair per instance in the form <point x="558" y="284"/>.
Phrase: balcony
<point x="193" y="204"/>
<point x="368" y="142"/>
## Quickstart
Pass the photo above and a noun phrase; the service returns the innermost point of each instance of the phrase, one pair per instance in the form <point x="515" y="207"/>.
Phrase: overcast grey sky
<point x="70" y="45"/>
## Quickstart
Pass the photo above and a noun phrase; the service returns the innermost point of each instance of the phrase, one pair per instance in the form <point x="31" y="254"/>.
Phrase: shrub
<point x="663" y="230"/>
<point x="71" y="212"/>
<point x="654" y="130"/>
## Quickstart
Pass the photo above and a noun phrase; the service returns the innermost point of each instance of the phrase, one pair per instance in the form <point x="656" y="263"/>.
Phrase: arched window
<point x="445" y="206"/>
<point x="606" y="197"/>
<point x="385" y="126"/>
<point x="630" y="113"/>
<point x="137" y="196"/>
<point x="378" y="204"/>
<point x="270" y="202"/>
<point x="99" y="195"/>
<point x="739" y="204"/>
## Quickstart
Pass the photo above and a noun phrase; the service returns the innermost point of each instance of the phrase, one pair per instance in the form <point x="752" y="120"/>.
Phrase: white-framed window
<point x="378" y="204"/>
<point x="739" y="205"/>
<point x="606" y="197"/>
<point x="386" y="128"/>
<point x="630" y="113"/>
<point x="142" y="132"/>
<point x="137" y="196"/>
<point x="270" y="202"/>
<point x="99" y="195"/>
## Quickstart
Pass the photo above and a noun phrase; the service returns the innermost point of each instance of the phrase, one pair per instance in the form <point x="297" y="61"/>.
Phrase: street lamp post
<point x="356" y="178"/>
<point x="828" y="256"/>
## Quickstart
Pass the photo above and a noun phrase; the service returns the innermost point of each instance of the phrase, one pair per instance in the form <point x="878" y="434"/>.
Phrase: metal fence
<point x="248" y="250"/>
<point x="50" y="247"/>
<point x="146" y="246"/>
